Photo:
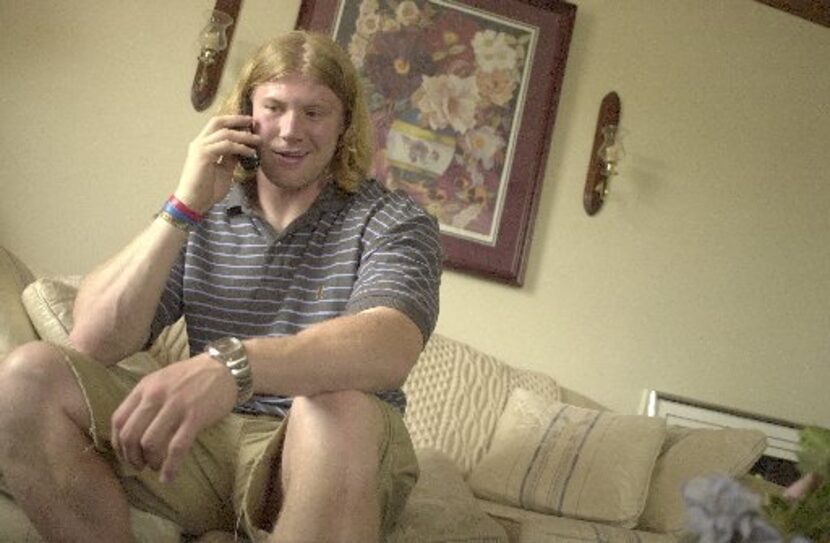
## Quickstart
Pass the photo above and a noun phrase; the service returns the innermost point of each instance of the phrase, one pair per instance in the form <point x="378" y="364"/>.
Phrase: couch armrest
<point x="15" y="327"/>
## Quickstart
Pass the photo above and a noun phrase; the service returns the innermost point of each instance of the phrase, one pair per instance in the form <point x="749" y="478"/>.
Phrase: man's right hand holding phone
<point x="211" y="159"/>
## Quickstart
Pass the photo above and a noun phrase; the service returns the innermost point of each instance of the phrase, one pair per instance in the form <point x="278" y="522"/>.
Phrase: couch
<point x="506" y="454"/>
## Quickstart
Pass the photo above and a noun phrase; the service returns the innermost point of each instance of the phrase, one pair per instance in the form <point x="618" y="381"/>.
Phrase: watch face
<point x="226" y="348"/>
<point x="227" y="344"/>
<point x="230" y="352"/>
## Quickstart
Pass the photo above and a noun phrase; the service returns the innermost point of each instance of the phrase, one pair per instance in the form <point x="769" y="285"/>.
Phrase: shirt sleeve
<point x="170" y="305"/>
<point x="401" y="265"/>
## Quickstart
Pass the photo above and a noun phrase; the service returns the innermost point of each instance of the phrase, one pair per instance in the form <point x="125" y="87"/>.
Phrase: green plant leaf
<point x="815" y="451"/>
<point x="809" y="518"/>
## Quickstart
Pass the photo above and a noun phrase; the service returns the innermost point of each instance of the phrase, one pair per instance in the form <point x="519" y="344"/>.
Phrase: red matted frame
<point x="488" y="165"/>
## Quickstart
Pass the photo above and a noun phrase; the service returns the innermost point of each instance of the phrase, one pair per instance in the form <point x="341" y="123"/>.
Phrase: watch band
<point x="231" y="353"/>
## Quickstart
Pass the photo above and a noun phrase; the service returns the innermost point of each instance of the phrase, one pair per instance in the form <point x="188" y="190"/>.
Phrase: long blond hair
<point x="316" y="56"/>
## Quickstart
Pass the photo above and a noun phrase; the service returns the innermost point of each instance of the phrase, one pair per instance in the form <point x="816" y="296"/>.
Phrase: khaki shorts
<point x="224" y="480"/>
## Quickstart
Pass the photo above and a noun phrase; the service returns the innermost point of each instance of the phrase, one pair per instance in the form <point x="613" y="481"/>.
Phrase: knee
<point x="332" y="403"/>
<point x="344" y="422"/>
<point x="337" y="412"/>
<point x="33" y="362"/>
<point x="30" y="374"/>
<point x="337" y="434"/>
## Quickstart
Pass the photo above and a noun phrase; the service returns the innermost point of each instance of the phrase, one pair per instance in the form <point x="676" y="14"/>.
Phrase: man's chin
<point x="293" y="183"/>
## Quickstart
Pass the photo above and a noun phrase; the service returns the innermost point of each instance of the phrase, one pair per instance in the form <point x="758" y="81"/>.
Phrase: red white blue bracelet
<point x="179" y="214"/>
<point x="184" y="208"/>
<point x="183" y="226"/>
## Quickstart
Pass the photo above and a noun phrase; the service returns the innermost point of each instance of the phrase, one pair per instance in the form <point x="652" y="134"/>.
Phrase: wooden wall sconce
<point x="605" y="154"/>
<point x="214" y="40"/>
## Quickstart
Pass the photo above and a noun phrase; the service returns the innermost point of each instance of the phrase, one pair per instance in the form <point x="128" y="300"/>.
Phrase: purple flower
<point x="397" y="61"/>
<point x="722" y="511"/>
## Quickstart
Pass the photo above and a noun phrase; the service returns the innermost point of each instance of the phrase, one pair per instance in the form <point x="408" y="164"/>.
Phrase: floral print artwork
<point x="445" y="85"/>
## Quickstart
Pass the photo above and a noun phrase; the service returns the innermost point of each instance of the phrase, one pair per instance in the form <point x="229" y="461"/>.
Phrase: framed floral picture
<point x="463" y="98"/>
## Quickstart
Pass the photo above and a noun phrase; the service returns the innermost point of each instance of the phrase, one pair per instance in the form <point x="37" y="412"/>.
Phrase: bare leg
<point x="48" y="463"/>
<point x="330" y="470"/>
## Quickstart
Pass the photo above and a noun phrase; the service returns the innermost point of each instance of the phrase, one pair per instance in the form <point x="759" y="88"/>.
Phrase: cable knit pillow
<point x="693" y="452"/>
<point x="456" y="394"/>
<point x="570" y="461"/>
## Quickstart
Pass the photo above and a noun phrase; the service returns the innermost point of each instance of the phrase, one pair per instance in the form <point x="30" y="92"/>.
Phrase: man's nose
<point x="291" y="124"/>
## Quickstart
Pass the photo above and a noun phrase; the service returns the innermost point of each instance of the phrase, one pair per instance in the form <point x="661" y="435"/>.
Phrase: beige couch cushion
<point x="570" y="461"/>
<point x="524" y="526"/>
<point x="688" y="453"/>
<point x="442" y="507"/>
<point x="50" y="301"/>
<point x="15" y="327"/>
<point x="456" y="394"/>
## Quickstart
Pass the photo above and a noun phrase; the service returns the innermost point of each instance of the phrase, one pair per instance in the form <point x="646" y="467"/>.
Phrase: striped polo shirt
<point x="237" y="276"/>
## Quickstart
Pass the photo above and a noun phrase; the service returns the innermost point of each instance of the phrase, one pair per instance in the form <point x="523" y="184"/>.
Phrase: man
<point x="303" y="281"/>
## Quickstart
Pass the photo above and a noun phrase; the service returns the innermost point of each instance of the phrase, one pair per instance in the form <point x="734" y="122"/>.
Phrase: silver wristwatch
<point x="231" y="352"/>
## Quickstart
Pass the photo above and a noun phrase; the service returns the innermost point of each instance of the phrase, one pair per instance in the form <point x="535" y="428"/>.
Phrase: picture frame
<point x="463" y="97"/>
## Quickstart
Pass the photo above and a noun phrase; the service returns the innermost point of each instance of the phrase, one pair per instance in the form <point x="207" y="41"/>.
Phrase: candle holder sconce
<point x="605" y="154"/>
<point x="213" y="41"/>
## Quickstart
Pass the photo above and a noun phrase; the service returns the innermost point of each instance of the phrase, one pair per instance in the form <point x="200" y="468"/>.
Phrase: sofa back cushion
<point x="570" y="461"/>
<point x="455" y="395"/>
<point x="442" y="508"/>
<point x="15" y="327"/>
<point x="50" y="301"/>
<point x="695" y="452"/>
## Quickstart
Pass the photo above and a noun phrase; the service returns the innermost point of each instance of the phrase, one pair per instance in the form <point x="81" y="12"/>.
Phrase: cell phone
<point x="249" y="163"/>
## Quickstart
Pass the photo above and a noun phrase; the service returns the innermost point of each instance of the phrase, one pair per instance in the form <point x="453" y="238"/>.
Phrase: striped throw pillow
<point x="570" y="461"/>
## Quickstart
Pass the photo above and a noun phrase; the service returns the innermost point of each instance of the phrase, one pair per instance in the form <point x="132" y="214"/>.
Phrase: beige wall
<point x="707" y="274"/>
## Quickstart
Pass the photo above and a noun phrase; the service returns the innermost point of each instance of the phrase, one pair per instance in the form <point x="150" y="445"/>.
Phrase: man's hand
<point x="211" y="158"/>
<point x="159" y="420"/>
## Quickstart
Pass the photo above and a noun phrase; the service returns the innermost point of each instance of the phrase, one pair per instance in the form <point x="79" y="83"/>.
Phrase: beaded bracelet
<point x="181" y="225"/>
